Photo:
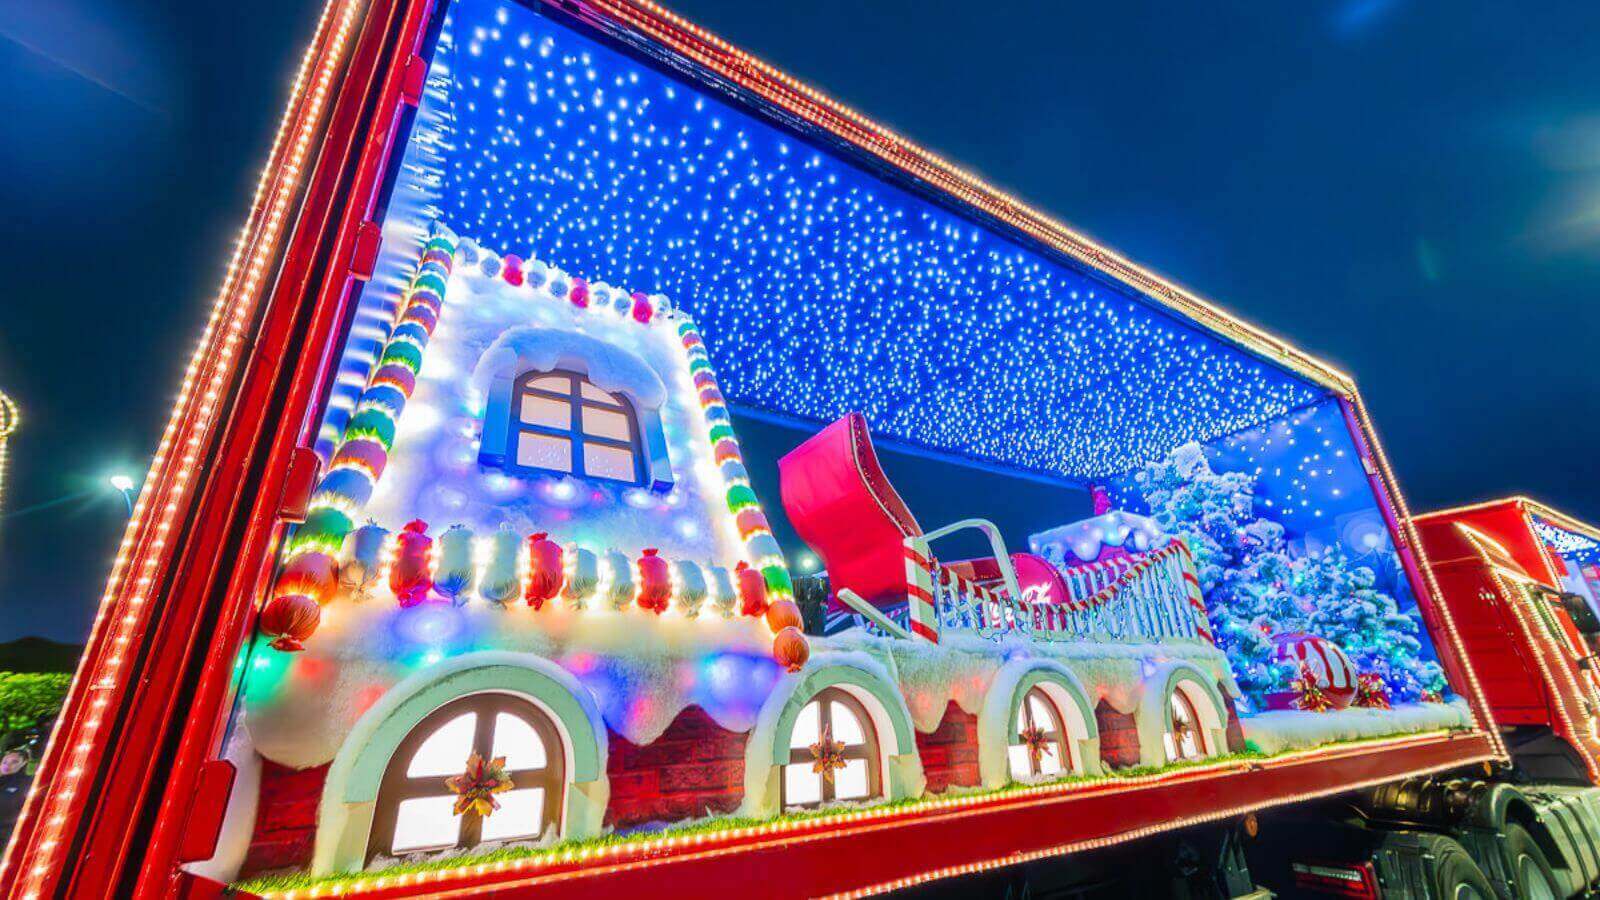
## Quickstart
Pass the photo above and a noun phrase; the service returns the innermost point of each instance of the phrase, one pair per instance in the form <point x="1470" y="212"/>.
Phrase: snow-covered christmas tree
<point x="1256" y="588"/>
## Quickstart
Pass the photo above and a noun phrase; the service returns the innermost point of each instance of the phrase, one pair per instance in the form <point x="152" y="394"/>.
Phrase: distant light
<point x="122" y="482"/>
<point x="807" y="562"/>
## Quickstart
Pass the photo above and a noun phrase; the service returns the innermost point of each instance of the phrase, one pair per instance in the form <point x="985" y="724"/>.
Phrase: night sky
<point x="1410" y="190"/>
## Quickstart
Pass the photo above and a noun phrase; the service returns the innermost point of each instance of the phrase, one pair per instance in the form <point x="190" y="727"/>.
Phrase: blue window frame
<point x="562" y="424"/>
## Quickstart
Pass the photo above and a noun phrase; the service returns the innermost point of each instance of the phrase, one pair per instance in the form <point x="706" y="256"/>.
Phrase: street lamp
<point x="124" y="485"/>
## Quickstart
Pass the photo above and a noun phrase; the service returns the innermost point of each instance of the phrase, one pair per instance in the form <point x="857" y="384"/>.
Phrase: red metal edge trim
<point x="887" y="852"/>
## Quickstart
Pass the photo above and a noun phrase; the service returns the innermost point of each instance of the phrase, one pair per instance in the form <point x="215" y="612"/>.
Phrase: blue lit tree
<point x="1256" y="588"/>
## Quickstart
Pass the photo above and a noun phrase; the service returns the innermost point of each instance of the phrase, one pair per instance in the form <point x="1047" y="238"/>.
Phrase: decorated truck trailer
<point x="612" y="466"/>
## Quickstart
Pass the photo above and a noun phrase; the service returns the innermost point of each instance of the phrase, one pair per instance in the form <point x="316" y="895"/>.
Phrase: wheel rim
<point x="1532" y="880"/>
<point x="1468" y="892"/>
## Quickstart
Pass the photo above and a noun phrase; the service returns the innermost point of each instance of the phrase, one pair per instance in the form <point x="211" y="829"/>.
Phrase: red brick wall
<point x="950" y="753"/>
<point x="286" y="818"/>
<point x="1119" y="737"/>
<point x="695" y="768"/>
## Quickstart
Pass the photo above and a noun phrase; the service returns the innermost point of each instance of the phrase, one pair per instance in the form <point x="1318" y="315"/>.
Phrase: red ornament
<point x="784" y="614"/>
<point x="752" y="590"/>
<point x="545" y="570"/>
<point x="412" y="575"/>
<point x="655" y="583"/>
<point x="580" y="292"/>
<point x="790" y="649"/>
<point x="642" y="310"/>
<point x="512" y="273"/>
<point x="1327" y="666"/>
<point x="290" y="619"/>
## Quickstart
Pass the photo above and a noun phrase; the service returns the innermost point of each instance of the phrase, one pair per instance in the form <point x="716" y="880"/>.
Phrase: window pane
<point x="605" y="423"/>
<point x="850" y="782"/>
<point x="521" y="815"/>
<point x="1017" y="756"/>
<point x="590" y="392"/>
<point x="601" y="461"/>
<point x="541" y="451"/>
<point x="550" y="413"/>
<point x="518" y="743"/>
<point x="445" y="751"/>
<point x="559" y="384"/>
<point x="1041" y="714"/>
<point x="846" y="729"/>
<point x="801" y="785"/>
<point x="426" y="822"/>
<point x="1050" y="759"/>
<point x="806" y="726"/>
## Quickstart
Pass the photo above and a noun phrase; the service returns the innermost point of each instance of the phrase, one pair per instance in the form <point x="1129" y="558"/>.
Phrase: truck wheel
<point x="1530" y="871"/>
<point x="1456" y="876"/>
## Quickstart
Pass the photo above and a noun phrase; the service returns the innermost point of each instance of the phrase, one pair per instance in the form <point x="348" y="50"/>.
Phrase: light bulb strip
<point x="32" y="860"/>
<point x="1367" y="435"/>
<point x="777" y="833"/>
<point x="796" y="98"/>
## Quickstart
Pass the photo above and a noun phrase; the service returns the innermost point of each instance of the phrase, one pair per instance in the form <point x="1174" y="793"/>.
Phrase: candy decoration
<point x="1331" y="670"/>
<point x="655" y="582"/>
<point x="580" y="293"/>
<point x="289" y="619"/>
<point x="513" y="270"/>
<point x="784" y="614"/>
<point x="753" y="526"/>
<point x="1371" y="692"/>
<point x="790" y="649"/>
<point x="752" y="590"/>
<point x="545" y="570"/>
<point x="457" y="568"/>
<point x="691" y="590"/>
<point x="363" y="449"/>
<point x="364" y="561"/>
<point x="724" y="596"/>
<point x="499" y="584"/>
<point x="619" y="590"/>
<point x="641" y="309"/>
<point x="314" y="575"/>
<point x="583" y="575"/>
<point x="412" y="577"/>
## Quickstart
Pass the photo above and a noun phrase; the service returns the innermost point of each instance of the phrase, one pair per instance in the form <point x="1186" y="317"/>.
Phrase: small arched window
<point x="415" y="808"/>
<point x="563" y="424"/>
<point x="1185" y="736"/>
<point x="1039" y="746"/>
<point x="833" y="753"/>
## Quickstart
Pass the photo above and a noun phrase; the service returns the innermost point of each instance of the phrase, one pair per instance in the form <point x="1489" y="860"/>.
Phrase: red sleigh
<point x="842" y="504"/>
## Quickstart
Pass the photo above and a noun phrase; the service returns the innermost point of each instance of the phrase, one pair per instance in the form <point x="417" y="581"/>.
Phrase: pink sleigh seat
<point x="842" y="504"/>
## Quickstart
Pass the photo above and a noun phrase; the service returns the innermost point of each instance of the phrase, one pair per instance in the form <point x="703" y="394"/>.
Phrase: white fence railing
<point x="1149" y="597"/>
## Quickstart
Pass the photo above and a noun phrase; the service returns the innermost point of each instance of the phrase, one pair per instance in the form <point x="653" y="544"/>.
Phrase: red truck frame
<point x="131" y="787"/>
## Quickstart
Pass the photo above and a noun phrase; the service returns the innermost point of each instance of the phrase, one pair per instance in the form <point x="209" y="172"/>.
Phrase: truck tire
<point x="1456" y="876"/>
<point x="1531" y="874"/>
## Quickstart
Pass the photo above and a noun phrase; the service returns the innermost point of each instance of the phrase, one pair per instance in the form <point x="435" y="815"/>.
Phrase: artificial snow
<point x="1283" y="730"/>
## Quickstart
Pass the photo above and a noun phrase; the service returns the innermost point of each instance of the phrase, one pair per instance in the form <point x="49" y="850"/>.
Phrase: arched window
<point x="415" y="806"/>
<point x="1039" y="746"/>
<point x="833" y="726"/>
<point x="1185" y="736"/>
<point x="562" y="423"/>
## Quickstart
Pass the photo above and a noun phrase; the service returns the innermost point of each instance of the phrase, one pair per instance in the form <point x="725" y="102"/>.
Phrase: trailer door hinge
<point x="305" y="468"/>
<point x="364" y="256"/>
<point x="413" y="80"/>
<point x="207" y="808"/>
